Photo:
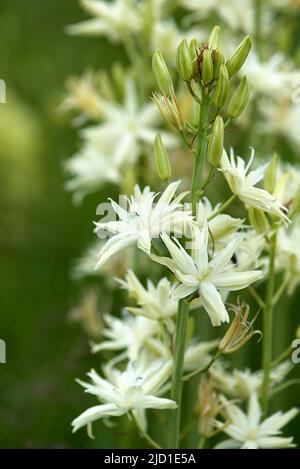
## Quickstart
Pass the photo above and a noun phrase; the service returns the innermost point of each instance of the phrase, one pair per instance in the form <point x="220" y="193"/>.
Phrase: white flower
<point x="238" y="15"/>
<point x="143" y="221"/>
<point x="242" y="383"/>
<point x="249" y="431"/>
<point x="272" y="77"/>
<point x="126" y="128"/>
<point x="114" y="19"/>
<point x="282" y="117"/>
<point x="248" y="253"/>
<point x="90" y="168"/>
<point x="131" y="390"/>
<point x="198" y="273"/>
<point x="288" y="255"/>
<point x="128" y="334"/>
<point x="155" y="302"/>
<point x="223" y="227"/>
<point x="242" y="184"/>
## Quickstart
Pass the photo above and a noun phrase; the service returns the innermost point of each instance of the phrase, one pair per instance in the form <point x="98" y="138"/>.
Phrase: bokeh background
<point x="42" y="233"/>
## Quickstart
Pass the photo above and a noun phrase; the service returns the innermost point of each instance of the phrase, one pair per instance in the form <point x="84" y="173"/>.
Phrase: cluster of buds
<point x="207" y="74"/>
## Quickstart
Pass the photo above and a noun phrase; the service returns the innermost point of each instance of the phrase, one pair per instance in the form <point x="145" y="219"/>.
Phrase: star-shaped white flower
<point x="242" y="183"/>
<point x="144" y="220"/>
<point x="249" y="431"/>
<point x="128" y="335"/>
<point x="90" y="168"/>
<point x="198" y="273"/>
<point x="155" y="302"/>
<point x="128" y="127"/>
<point x="134" y="389"/>
<point x="114" y="19"/>
<point x="242" y="383"/>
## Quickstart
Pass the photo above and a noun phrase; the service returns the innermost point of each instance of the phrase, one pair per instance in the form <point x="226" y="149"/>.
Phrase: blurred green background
<point x="42" y="232"/>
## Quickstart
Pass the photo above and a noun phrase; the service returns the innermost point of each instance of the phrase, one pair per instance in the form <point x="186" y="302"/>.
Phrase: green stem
<point x="268" y="324"/>
<point x="147" y="438"/>
<point x="222" y="208"/>
<point x="285" y="354"/>
<point x="202" y="370"/>
<point x="177" y="383"/>
<point x="257" y="297"/>
<point x="202" y="442"/>
<point x="200" y="154"/>
<point x="257" y="27"/>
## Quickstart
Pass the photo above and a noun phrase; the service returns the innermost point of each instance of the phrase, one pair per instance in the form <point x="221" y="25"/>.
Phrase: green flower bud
<point x="161" y="73"/>
<point x="271" y="175"/>
<point x="207" y="66"/>
<point x="239" y="99"/>
<point x="216" y="142"/>
<point x="258" y="220"/>
<point x="161" y="159"/>
<point x="184" y="61"/>
<point x="214" y="38"/>
<point x="236" y="61"/>
<point x="221" y="92"/>
<point x="218" y="61"/>
<point x="194" y="48"/>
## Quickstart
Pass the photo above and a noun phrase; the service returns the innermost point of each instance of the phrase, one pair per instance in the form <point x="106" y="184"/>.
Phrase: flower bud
<point x="258" y="220"/>
<point x="271" y="175"/>
<point x="194" y="48"/>
<point x="221" y="92"/>
<point x="207" y="66"/>
<point x="234" y="64"/>
<point x="161" y="73"/>
<point x="239" y="99"/>
<point x="161" y="159"/>
<point x="214" y="38"/>
<point x="184" y="61"/>
<point x="216" y="142"/>
<point x="218" y="61"/>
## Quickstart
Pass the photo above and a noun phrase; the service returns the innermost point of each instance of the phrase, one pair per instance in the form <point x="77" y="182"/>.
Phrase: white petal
<point x="95" y="413"/>
<point x="182" y="291"/>
<point x="233" y="281"/>
<point x="113" y="245"/>
<point x="213" y="304"/>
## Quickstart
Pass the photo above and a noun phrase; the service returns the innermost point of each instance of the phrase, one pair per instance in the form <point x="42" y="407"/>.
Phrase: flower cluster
<point x="234" y="227"/>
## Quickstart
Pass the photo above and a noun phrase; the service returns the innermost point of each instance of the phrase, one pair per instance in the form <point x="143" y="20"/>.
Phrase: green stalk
<point x="200" y="154"/>
<point x="257" y="27"/>
<point x="268" y="324"/>
<point x="177" y="382"/>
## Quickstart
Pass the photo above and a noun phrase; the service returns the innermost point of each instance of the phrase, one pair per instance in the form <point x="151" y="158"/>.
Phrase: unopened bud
<point x="218" y="61"/>
<point x="239" y="99"/>
<point x="161" y="73"/>
<point x="236" y="61"/>
<point x="194" y="48"/>
<point x="216" y="142"/>
<point x="221" y="92"/>
<point x="207" y="66"/>
<point x="184" y="61"/>
<point x="271" y="175"/>
<point x="161" y="159"/>
<point x="214" y="38"/>
<point x="258" y="220"/>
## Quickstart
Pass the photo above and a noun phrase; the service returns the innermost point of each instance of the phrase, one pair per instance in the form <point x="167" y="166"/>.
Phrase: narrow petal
<point x="95" y="413"/>
<point x="113" y="245"/>
<point x="233" y="281"/>
<point x="213" y="304"/>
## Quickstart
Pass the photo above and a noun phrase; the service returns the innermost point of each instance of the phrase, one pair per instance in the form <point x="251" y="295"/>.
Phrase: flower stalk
<point x="177" y="383"/>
